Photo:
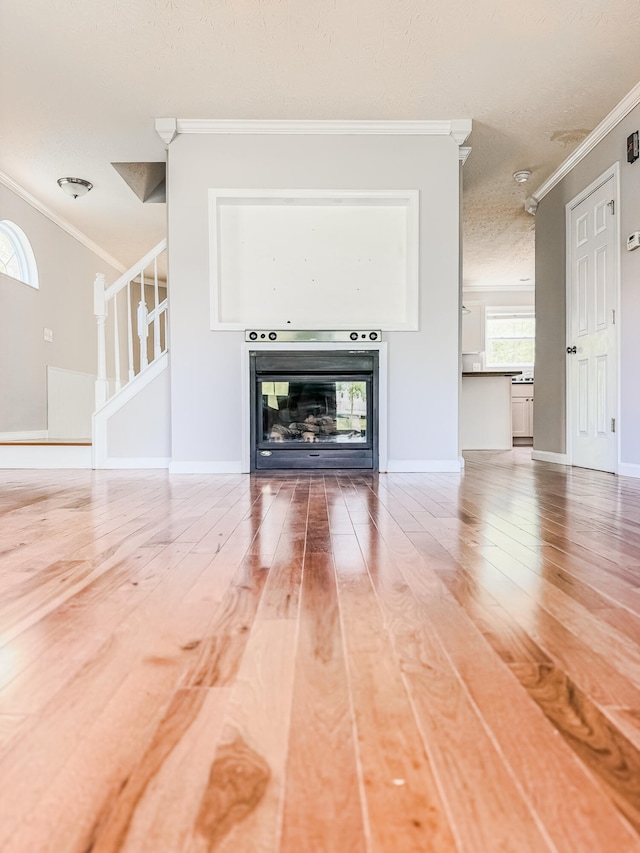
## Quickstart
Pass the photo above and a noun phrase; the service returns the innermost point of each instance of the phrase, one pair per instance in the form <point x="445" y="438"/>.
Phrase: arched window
<point x="16" y="255"/>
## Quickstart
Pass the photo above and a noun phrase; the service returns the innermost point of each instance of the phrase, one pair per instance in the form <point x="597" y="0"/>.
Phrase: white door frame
<point x="612" y="172"/>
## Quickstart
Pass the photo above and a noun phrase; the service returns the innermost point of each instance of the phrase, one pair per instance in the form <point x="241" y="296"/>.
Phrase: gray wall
<point x="205" y="365"/>
<point x="550" y="406"/>
<point x="63" y="303"/>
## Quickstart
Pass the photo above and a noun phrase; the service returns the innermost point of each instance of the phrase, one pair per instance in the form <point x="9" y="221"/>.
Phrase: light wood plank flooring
<point x="320" y="664"/>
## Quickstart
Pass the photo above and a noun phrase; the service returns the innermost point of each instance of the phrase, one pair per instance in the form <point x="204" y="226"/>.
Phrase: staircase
<point x="130" y="424"/>
<point x="132" y="419"/>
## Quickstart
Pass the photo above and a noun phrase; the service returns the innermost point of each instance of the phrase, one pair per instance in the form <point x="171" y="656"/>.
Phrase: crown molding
<point x="464" y="154"/>
<point x="31" y="200"/>
<point x="459" y="129"/>
<point x="622" y="109"/>
<point x="166" y="129"/>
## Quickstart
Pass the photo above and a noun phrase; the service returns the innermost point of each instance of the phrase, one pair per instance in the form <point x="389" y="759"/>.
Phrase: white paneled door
<point x="592" y="344"/>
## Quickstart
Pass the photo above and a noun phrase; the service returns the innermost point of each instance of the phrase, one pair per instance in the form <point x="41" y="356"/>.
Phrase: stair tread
<point x="45" y="443"/>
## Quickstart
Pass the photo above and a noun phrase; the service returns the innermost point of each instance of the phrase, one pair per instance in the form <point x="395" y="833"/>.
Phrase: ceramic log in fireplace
<point x="314" y="410"/>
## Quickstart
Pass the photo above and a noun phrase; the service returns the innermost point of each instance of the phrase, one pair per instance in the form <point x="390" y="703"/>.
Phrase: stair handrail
<point x="136" y="269"/>
<point x="103" y="296"/>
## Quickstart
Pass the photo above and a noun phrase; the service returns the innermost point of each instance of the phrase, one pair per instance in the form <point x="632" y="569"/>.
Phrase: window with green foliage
<point x="510" y="337"/>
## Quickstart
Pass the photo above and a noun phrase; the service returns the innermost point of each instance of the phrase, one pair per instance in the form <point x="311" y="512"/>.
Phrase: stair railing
<point x="124" y="354"/>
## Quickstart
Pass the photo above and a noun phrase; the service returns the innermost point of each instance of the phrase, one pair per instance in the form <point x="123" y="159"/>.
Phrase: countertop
<point x="491" y="372"/>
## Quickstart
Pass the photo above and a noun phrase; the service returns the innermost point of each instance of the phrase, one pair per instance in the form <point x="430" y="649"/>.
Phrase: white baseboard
<point x="123" y="462"/>
<point x="25" y="435"/>
<point x="548" y="456"/>
<point x="628" y="469"/>
<point x="423" y="466"/>
<point x="45" y="456"/>
<point x="206" y="468"/>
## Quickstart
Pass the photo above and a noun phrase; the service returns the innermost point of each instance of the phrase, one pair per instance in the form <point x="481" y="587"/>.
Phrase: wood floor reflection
<point x="320" y="664"/>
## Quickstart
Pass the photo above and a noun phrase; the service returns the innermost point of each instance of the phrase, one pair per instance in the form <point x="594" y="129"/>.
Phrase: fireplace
<point x="314" y="410"/>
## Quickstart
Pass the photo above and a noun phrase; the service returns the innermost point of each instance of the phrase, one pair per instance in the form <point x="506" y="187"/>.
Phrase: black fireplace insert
<point x="314" y="410"/>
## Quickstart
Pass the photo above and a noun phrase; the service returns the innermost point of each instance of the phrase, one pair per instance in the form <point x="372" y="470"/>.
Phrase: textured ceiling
<point x="83" y="80"/>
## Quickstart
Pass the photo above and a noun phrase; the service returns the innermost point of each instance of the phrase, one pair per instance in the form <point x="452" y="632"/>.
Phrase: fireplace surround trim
<point x="380" y="347"/>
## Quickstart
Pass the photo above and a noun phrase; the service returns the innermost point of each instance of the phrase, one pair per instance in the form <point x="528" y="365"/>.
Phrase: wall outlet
<point x="476" y="366"/>
<point x="48" y="335"/>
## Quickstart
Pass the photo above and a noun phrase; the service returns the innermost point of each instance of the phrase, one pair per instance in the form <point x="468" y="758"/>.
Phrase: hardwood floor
<point x="320" y="664"/>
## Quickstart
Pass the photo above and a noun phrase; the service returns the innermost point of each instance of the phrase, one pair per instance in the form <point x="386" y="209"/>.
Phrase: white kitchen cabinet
<point x="473" y="328"/>
<point x="522" y="410"/>
<point x="485" y="413"/>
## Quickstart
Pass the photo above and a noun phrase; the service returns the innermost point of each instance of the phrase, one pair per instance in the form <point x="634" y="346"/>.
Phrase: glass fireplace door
<point x="313" y="409"/>
<point x="324" y="411"/>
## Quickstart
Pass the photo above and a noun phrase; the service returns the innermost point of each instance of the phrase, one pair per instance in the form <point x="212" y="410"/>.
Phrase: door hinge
<point x="613" y="424"/>
<point x="613" y="316"/>
<point x="612" y="206"/>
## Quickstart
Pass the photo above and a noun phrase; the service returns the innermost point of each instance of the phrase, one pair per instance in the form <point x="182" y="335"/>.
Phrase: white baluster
<point x="100" y="312"/>
<point x="116" y="342"/>
<point x="143" y="332"/>
<point x="156" y="316"/>
<point x="143" y="298"/>
<point x="129" y="333"/>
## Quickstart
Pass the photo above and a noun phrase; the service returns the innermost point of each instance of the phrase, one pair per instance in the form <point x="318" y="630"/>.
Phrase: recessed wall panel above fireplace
<point x="314" y="259"/>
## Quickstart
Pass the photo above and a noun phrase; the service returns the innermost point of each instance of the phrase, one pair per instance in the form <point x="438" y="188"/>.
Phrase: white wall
<point x="205" y="364"/>
<point x="63" y="303"/>
<point x="71" y="400"/>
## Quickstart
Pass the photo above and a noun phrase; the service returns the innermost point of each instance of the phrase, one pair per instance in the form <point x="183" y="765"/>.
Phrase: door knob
<point x="572" y="350"/>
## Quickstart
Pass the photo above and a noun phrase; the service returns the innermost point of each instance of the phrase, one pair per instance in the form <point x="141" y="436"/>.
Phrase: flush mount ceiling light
<point x="522" y="176"/>
<point x="75" y="187"/>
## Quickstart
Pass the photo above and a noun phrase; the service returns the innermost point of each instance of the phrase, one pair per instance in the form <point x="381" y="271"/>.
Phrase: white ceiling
<point x="83" y="81"/>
